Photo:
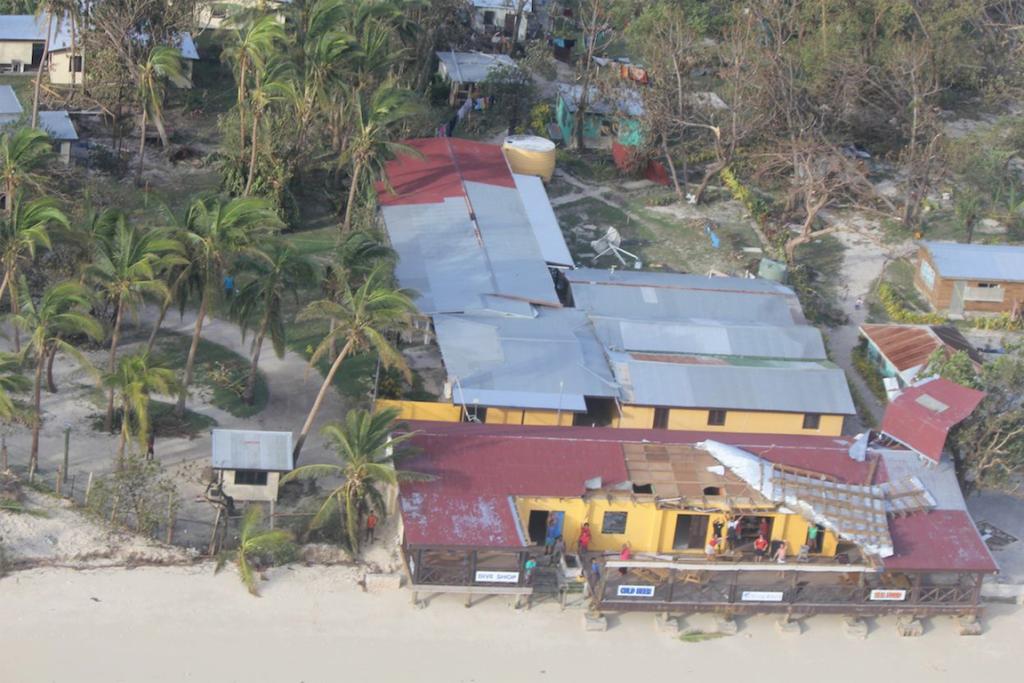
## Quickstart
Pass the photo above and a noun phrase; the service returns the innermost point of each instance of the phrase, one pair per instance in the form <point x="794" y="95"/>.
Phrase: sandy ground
<point x="313" y="624"/>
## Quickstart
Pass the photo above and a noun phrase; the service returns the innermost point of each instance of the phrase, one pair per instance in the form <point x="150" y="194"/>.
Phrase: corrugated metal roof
<point x="9" y="104"/>
<point x="471" y="67"/>
<point x="21" y="27"/>
<point x="238" y="449"/>
<point x="58" y="124"/>
<point x="550" y="361"/>
<point x="921" y="417"/>
<point x="694" y="382"/>
<point x="799" y="342"/>
<point x="940" y="540"/>
<point x="502" y="4"/>
<point x="910" y="346"/>
<point x="542" y="220"/>
<point x="623" y="100"/>
<point x="986" y="262"/>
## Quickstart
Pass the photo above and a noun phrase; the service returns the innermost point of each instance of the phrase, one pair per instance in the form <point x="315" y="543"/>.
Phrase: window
<point x="474" y="413"/>
<point x="716" y="418"/>
<point x="250" y="477"/>
<point x="75" y="64"/>
<point x="712" y="491"/>
<point x="927" y="274"/>
<point x="488" y="18"/>
<point x="984" y="291"/>
<point x="987" y="285"/>
<point x="614" y="523"/>
<point x="812" y="421"/>
<point x="660" y="418"/>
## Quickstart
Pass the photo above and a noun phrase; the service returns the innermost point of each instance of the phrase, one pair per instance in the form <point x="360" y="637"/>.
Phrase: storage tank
<point x="530" y="155"/>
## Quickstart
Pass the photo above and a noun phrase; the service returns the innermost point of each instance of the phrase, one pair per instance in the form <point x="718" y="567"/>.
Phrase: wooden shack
<point x="961" y="279"/>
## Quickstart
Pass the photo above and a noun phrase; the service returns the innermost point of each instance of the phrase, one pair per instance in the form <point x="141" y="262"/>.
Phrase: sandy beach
<point x="314" y="624"/>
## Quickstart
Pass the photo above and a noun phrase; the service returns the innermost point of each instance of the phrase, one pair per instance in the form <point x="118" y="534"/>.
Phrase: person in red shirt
<point x="371" y="526"/>
<point x="584" y="542"/>
<point x="760" y="548"/>
<point x="625" y="556"/>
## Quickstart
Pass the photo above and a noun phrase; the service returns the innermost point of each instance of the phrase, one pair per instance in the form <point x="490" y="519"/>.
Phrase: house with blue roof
<point x="961" y="279"/>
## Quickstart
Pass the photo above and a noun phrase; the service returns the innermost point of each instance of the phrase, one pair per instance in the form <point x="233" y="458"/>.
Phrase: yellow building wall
<point x="423" y="410"/>
<point x="649" y="529"/>
<point x="551" y="418"/>
<point x="753" y="422"/>
<point x="16" y="51"/>
<point x="635" y="417"/>
<point x="60" y="69"/>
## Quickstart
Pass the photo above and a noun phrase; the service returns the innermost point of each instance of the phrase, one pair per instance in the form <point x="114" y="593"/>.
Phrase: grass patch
<point x="558" y="187"/>
<point x="868" y="371"/>
<point x="700" y="636"/>
<point x="636" y="237"/>
<point x="314" y="242"/>
<point x="165" y="423"/>
<point x="589" y="165"/>
<point x="218" y="369"/>
<point x="354" y="378"/>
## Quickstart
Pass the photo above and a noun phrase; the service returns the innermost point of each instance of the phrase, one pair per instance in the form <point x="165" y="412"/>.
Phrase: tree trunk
<point x="37" y="420"/>
<point x="672" y="169"/>
<point x="159" y="323"/>
<point x="581" y="106"/>
<point x="142" y="145"/>
<point x="74" y="52"/>
<point x="250" y="385"/>
<point x="158" y="122"/>
<point x="356" y="170"/>
<point x="252" y="155"/>
<point x="3" y="288"/>
<point x="115" y="338"/>
<point x="15" y="309"/>
<point x="319" y="401"/>
<point x="39" y="74"/>
<point x="243" y="64"/>
<point x="179" y="410"/>
<point x="123" y="441"/>
<point x="709" y="173"/>
<point x="51" y="386"/>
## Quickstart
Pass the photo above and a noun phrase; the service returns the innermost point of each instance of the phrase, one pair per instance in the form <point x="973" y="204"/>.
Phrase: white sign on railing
<point x="762" y="596"/>
<point x="497" y="577"/>
<point x="635" y="592"/>
<point x="888" y="594"/>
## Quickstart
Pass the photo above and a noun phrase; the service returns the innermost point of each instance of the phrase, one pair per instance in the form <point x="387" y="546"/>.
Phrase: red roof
<point x="923" y="414"/>
<point x="941" y="540"/>
<point x="446" y="164"/>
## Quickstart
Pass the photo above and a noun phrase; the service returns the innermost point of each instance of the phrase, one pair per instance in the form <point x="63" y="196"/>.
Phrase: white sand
<point x="185" y="624"/>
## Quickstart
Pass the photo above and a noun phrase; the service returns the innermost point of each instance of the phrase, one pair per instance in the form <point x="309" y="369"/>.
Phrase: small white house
<point x="61" y="130"/>
<point x="491" y="16"/>
<point x="249" y="463"/>
<point x="10" y="107"/>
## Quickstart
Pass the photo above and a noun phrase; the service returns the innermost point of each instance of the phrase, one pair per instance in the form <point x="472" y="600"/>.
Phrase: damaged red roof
<point x="923" y="414"/>
<point x="445" y="165"/>
<point x="940" y="540"/>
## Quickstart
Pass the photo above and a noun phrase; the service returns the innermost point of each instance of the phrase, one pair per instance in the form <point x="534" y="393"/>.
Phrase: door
<point x="539" y="523"/>
<point x="956" y="304"/>
<point x="37" y="54"/>
<point x="691" y="532"/>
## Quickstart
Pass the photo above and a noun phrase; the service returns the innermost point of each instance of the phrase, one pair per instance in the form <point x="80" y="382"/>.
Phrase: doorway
<point x="956" y="303"/>
<point x="37" y="54"/>
<point x="537" y="525"/>
<point x="691" y="532"/>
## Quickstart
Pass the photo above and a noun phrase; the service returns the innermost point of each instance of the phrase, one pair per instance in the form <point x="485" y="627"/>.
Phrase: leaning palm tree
<point x="251" y="42"/>
<point x="361" y="319"/>
<point x="22" y="152"/>
<point x="62" y="312"/>
<point x="259" y="304"/>
<point x="365" y="446"/>
<point x="162" y="64"/>
<point x="11" y="381"/>
<point x="375" y="122"/>
<point x="272" y="85"/>
<point x="127" y="267"/>
<point x="256" y="546"/>
<point x="215" y="232"/>
<point x="24" y="229"/>
<point x="134" y="379"/>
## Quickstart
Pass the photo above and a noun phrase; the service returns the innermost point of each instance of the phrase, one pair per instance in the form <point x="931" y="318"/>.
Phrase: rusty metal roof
<point x="910" y="346"/>
<point x="921" y="417"/>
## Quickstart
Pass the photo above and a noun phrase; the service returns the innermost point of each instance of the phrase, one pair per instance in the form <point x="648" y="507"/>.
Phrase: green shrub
<point x="897" y="312"/>
<point x="869" y="371"/>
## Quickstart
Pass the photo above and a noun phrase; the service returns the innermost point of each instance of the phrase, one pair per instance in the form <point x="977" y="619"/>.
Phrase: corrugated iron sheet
<point x="923" y="414"/>
<point x="985" y="262"/>
<point x="241" y="449"/>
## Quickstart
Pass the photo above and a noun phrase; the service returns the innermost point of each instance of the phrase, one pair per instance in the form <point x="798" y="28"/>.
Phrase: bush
<point x="897" y="312"/>
<point x="869" y="371"/>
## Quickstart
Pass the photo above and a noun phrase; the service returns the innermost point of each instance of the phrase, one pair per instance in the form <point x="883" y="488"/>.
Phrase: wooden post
<point x="3" y="454"/>
<point x="88" y="488"/>
<point x="60" y="480"/>
<point x="272" y="514"/>
<point x="170" y="518"/>
<point x="67" y="445"/>
<point x="113" y="510"/>
<point x="211" y="550"/>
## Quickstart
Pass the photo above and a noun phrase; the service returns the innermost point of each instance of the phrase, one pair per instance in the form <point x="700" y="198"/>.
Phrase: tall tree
<point x="362" y="318"/>
<point x="23" y="151"/>
<point x="259" y="305"/>
<point x="133" y="380"/>
<point x="127" y="267"/>
<point x="272" y="84"/>
<point x="44" y="15"/>
<point x="62" y="312"/>
<point x="366" y="447"/>
<point x="161" y="65"/>
<point x="215" y="232"/>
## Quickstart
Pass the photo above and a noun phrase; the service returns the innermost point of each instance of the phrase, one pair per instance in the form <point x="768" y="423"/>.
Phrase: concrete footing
<point x="969" y="626"/>
<point x="726" y="625"/>
<point x="788" y="626"/>
<point x="666" y="623"/>
<point x="855" y="628"/>
<point x="909" y="627"/>
<point x="595" y="621"/>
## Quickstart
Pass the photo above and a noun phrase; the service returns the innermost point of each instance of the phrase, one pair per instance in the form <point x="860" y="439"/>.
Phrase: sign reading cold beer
<point x="635" y="592"/>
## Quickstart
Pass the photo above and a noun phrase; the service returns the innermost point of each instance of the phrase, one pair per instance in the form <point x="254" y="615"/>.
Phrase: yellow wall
<point x="649" y="529"/>
<point x="423" y="410"/>
<point x="16" y="50"/>
<point x="635" y="417"/>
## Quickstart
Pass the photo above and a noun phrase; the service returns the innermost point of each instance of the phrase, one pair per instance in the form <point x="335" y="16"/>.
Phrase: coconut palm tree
<point x="362" y="317"/>
<point x="11" y="380"/>
<point x="365" y="446"/>
<point x="272" y="84"/>
<point x="215" y="232"/>
<point x="375" y="123"/>
<point x="127" y="267"/>
<point x="24" y="229"/>
<point x="133" y="380"/>
<point x="259" y="304"/>
<point x="22" y="152"/>
<point x="162" y="64"/>
<point x="256" y="546"/>
<point x="62" y="312"/>
<point x="44" y="14"/>
<point x="253" y="40"/>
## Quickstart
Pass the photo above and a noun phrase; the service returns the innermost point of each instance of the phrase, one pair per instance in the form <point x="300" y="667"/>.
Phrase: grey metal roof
<point x="552" y="360"/>
<point x="542" y="220"/>
<point x="665" y="297"/>
<point x="502" y="4"/>
<point x="692" y="382"/>
<point x="998" y="262"/>
<point x="239" y="449"/>
<point x="470" y="67"/>
<point x="9" y="104"/>
<point x="626" y="101"/>
<point x="21" y="27"/>
<point x="796" y="342"/>
<point x="58" y="124"/>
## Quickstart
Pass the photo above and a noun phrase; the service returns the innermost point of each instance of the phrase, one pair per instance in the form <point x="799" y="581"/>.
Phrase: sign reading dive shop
<point x="888" y="594"/>
<point x="762" y="596"/>
<point x="497" y="577"/>
<point x="635" y="592"/>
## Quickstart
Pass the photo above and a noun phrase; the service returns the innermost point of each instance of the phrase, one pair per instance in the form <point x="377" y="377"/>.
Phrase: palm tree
<point x="163" y="64"/>
<point x="44" y="11"/>
<point x="22" y="152"/>
<point x="215" y="232"/>
<point x="256" y="546"/>
<point x="11" y="380"/>
<point x="253" y="40"/>
<point x="133" y="380"/>
<point x="259" y="304"/>
<point x="362" y="317"/>
<point x="271" y="85"/>
<point x="127" y="266"/>
<point x="62" y="312"/>
<point x="371" y="144"/>
<point x="365" y="445"/>
<point x="24" y="229"/>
